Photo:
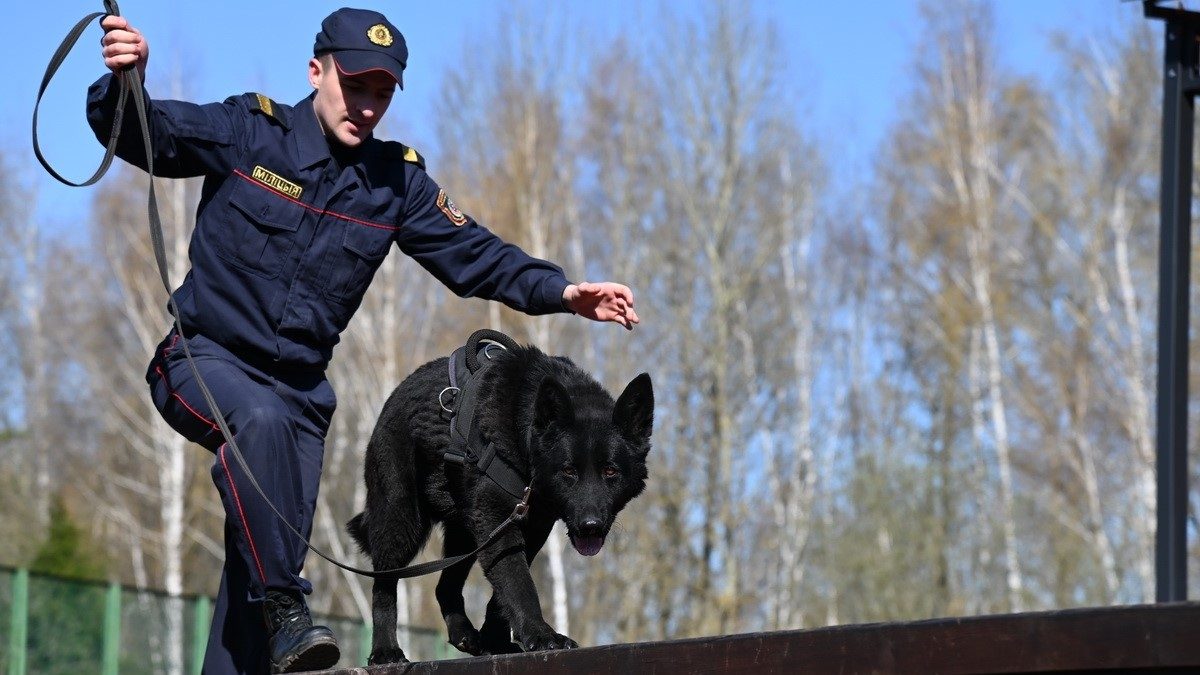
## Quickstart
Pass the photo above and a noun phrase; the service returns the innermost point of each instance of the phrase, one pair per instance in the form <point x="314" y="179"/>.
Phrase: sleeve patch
<point x="448" y="207"/>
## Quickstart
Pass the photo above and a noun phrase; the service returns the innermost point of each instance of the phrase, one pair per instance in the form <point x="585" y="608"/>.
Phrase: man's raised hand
<point x="604" y="301"/>
<point x="123" y="45"/>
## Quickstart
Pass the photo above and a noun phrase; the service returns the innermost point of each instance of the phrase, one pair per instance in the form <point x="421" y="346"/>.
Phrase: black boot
<point x="296" y="644"/>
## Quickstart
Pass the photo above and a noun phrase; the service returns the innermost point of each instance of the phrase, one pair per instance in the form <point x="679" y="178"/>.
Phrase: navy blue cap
<point x="360" y="41"/>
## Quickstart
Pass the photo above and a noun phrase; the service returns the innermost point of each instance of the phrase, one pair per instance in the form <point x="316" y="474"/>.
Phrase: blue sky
<point x="849" y="61"/>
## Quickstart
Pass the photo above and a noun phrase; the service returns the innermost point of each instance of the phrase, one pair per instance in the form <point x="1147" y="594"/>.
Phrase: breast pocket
<point x="262" y="229"/>
<point x="362" y="251"/>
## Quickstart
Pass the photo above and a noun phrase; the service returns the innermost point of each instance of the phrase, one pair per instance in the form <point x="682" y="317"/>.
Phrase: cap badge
<point x="380" y="35"/>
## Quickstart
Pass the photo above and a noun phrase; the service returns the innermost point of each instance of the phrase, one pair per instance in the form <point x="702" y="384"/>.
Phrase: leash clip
<point x="522" y="507"/>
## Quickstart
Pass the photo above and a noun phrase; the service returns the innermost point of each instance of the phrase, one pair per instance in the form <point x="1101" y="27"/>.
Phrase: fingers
<point x="112" y="21"/>
<point x="610" y="302"/>
<point x="625" y="315"/>
<point x="623" y="300"/>
<point x="122" y="44"/>
<point x="118" y="49"/>
<point x="121" y="55"/>
<point x="632" y="317"/>
<point x="607" y="288"/>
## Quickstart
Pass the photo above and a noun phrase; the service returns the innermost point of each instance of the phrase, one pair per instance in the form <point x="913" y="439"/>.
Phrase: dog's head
<point x="591" y="458"/>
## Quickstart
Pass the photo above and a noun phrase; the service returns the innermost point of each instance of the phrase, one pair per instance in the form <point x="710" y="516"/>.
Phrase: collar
<point x="311" y="146"/>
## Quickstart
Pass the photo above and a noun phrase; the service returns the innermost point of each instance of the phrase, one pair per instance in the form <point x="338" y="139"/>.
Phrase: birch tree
<point x="153" y="489"/>
<point x="1108" y="128"/>
<point x="962" y="143"/>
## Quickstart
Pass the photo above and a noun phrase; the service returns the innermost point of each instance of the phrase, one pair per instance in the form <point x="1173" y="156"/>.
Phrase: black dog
<point x="584" y="455"/>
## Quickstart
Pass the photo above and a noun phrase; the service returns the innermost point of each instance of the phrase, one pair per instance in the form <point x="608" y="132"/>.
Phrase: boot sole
<point x="322" y="654"/>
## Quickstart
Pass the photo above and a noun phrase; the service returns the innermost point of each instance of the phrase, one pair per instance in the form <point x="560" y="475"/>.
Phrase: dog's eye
<point x="570" y="472"/>
<point x="610" y="471"/>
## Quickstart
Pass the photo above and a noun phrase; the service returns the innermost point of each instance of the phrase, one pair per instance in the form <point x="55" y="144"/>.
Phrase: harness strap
<point x="131" y="85"/>
<point x="467" y="444"/>
<point x="501" y="472"/>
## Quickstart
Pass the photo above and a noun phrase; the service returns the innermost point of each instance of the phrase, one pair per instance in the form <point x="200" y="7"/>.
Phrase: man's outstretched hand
<point x="603" y="301"/>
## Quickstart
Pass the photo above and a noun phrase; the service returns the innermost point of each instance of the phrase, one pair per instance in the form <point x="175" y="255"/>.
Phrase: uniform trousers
<point x="279" y="418"/>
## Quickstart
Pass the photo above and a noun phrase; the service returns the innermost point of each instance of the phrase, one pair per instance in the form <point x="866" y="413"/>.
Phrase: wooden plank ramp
<point x="1162" y="638"/>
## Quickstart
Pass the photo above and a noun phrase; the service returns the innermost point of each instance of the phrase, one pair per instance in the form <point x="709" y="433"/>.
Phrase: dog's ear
<point x="553" y="405"/>
<point x="634" y="413"/>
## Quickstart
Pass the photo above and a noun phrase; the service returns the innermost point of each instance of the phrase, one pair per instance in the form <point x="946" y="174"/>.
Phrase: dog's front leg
<point x="496" y="631"/>
<point x="505" y="565"/>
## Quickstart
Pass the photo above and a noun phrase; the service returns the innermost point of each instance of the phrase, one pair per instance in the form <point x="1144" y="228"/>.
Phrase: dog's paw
<point x="501" y="646"/>
<point x="462" y="635"/>
<point x="385" y="655"/>
<point x="547" y="640"/>
<point x="466" y="639"/>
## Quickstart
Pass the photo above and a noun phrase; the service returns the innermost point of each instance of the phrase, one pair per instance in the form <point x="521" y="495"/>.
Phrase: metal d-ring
<point x="487" y="348"/>
<point x="443" y="393"/>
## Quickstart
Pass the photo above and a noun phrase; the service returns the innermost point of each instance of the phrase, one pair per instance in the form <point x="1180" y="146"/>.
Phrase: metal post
<point x="111" y="658"/>
<point x="200" y="621"/>
<point x="19" y="623"/>
<point x="364" y="641"/>
<point x="441" y="649"/>
<point x="1179" y="80"/>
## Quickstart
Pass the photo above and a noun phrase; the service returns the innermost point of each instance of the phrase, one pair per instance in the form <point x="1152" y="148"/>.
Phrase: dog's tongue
<point x="587" y="545"/>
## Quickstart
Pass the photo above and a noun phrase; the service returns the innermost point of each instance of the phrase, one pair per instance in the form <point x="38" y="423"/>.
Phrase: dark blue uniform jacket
<point x="289" y="236"/>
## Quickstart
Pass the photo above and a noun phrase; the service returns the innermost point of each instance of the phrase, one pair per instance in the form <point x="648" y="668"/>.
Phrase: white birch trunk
<point x="983" y="527"/>
<point x="797" y="508"/>
<point x="538" y="229"/>
<point x="173" y="477"/>
<point x="1013" y="579"/>
<point x="970" y="168"/>
<point x="35" y="353"/>
<point x="1146" y="487"/>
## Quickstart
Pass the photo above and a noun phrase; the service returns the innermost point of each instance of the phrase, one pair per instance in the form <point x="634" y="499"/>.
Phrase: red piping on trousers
<point x="245" y="525"/>
<point x="220" y="454"/>
<point x="177" y="397"/>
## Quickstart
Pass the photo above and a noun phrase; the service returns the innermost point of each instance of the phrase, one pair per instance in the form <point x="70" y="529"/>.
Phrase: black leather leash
<point x="131" y="86"/>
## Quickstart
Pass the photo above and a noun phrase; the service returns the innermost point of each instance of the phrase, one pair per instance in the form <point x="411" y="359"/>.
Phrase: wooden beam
<point x="1145" y="638"/>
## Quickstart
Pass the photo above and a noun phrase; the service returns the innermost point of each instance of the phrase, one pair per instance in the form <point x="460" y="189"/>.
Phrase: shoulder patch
<point x="265" y="106"/>
<point x="413" y="157"/>
<point x="393" y="150"/>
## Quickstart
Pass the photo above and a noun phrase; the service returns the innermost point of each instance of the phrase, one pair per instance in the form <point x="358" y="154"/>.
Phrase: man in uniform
<point x="299" y="207"/>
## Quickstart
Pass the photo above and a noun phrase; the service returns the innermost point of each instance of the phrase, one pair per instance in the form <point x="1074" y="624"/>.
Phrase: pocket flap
<point x="266" y="207"/>
<point x="370" y="243"/>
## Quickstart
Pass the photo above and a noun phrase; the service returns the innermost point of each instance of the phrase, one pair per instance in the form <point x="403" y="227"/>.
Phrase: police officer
<point x="299" y="207"/>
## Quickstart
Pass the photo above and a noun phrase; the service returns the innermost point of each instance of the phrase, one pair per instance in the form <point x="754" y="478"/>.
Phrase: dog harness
<point x="468" y="447"/>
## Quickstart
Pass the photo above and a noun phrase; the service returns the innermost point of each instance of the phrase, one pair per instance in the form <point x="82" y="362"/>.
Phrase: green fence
<point x="53" y="625"/>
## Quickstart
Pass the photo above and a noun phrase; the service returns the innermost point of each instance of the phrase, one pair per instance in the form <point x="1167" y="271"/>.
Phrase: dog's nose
<point x="590" y="526"/>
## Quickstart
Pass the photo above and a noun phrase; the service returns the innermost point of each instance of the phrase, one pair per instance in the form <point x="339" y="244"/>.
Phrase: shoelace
<point x="286" y="611"/>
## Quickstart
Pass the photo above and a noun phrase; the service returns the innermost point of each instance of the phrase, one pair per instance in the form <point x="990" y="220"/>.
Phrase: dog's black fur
<point x="586" y="458"/>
